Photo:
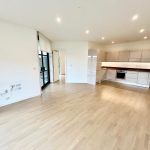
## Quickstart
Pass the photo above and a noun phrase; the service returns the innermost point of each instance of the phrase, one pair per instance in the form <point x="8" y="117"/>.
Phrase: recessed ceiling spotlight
<point x="58" y="19"/>
<point x="87" y="31"/>
<point x="112" y="42"/>
<point x="103" y="38"/>
<point x="135" y="17"/>
<point x="145" y="37"/>
<point x="142" y="30"/>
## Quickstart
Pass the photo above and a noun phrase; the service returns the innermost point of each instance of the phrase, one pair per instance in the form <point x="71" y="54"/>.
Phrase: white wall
<point x="56" y="65"/>
<point x="76" y="60"/>
<point x="139" y="45"/>
<point x="44" y="43"/>
<point x="94" y="45"/>
<point x="19" y="67"/>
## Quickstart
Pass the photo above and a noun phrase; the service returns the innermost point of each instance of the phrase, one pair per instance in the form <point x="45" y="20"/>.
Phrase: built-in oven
<point x="120" y="74"/>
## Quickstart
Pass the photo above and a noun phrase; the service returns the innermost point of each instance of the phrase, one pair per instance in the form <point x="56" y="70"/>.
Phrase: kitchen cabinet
<point x="145" y="56"/>
<point x="135" y="56"/>
<point x="111" y="74"/>
<point x="131" y="80"/>
<point x="128" y="56"/>
<point x="131" y="76"/>
<point x="112" y="56"/>
<point x="124" y="56"/>
<point x="143" y="78"/>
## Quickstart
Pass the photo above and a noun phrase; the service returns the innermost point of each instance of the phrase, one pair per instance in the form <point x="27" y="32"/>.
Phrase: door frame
<point x="55" y="66"/>
<point x="48" y="69"/>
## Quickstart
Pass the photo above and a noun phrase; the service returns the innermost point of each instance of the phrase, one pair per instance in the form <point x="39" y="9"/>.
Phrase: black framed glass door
<point x="44" y="68"/>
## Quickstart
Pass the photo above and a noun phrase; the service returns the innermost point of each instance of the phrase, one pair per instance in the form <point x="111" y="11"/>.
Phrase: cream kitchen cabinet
<point x="145" y="56"/>
<point x="111" y="74"/>
<point x="131" y="77"/>
<point x="112" y="56"/>
<point x="132" y="74"/>
<point x="135" y="56"/>
<point x="143" y="78"/>
<point x="124" y="56"/>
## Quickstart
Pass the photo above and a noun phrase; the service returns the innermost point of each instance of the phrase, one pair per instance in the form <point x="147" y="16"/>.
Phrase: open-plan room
<point x="74" y="74"/>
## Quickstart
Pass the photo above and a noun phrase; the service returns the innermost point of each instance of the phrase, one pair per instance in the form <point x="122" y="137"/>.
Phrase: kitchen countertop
<point x="138" y="66"/>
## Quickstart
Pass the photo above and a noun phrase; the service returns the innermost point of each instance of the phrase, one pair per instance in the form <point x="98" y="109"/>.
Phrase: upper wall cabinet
<point x="135" y="56"/>
<point x="112" y="56"/>
<point x="145" y="56"/>
<point x="101" y="56"/>
<point x="124" y="56"/>
<point x="128" y="56"/>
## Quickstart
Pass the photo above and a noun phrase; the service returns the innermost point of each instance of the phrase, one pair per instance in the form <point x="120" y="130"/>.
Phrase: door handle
<point x="42" y="69"/>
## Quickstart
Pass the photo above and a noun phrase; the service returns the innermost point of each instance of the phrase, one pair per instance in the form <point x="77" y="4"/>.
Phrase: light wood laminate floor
<point x="79" y="117"/>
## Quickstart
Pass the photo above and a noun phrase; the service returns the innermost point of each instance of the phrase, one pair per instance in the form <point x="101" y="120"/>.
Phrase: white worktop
<point x="135" y="65"/>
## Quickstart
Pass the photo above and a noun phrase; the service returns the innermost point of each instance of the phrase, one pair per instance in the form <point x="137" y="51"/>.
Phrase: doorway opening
<point x="44" y="69"/>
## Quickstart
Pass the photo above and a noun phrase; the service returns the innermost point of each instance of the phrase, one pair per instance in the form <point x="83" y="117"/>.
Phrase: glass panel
<point x="46" y="78"/>
<point x="45" y="62"/>
<point x="41" y="79"/>
<point x="40" y="59"/>
<point x="44" y="68"/>
<point x="44" y="53"/>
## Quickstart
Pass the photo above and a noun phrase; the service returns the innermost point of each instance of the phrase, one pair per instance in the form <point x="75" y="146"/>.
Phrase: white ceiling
<point x="108" y="18"/>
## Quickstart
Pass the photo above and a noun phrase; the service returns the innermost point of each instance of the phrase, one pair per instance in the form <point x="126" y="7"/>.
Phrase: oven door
<point x="120" y="74"/>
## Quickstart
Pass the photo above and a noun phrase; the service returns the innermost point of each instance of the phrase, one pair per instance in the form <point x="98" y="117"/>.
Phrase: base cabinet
<point x="143" y="78"/>
<point x="111" y="74"/>
<point x="132" y="77"/>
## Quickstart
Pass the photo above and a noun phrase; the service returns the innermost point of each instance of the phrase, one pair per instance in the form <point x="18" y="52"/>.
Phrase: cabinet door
<point x="124" y="56"/>
<point x="146" y="56"/>
<point x="131" y="80"/>
<point x="111" y="74"/>
<point x="112" y="56"/>
<point x="143" y="78"/>
<point x="135" y="56"/>
<point x="132" y="74"/>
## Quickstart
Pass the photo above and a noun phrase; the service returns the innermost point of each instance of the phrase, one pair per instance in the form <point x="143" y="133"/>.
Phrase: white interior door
<point x="56" y="65"/>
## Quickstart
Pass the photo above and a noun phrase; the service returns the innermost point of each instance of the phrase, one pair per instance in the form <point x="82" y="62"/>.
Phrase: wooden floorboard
<point x="79" y="117"/>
